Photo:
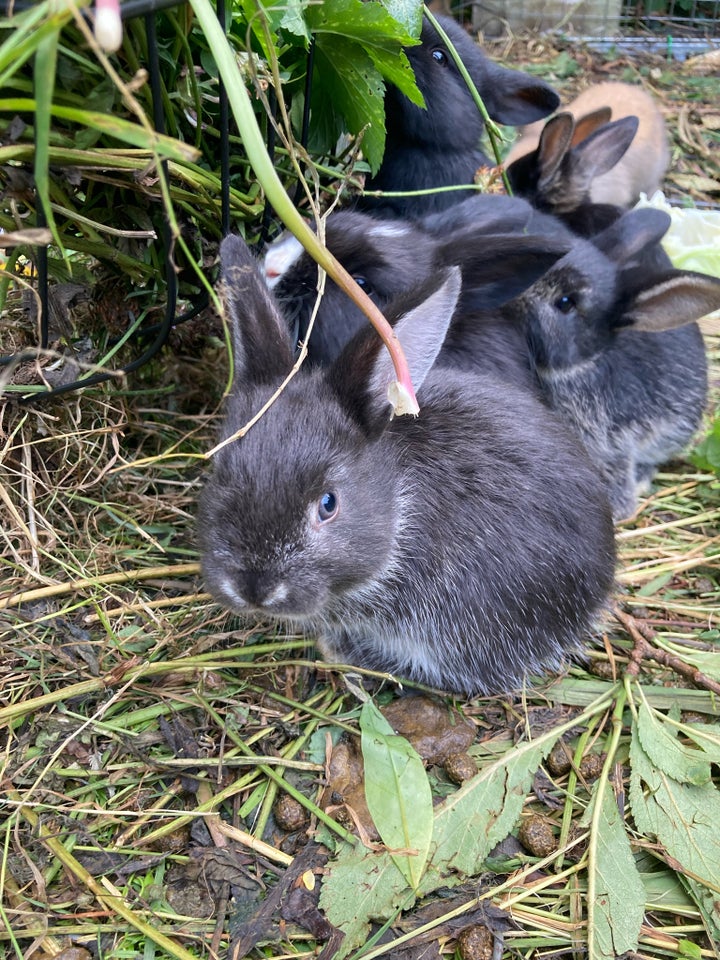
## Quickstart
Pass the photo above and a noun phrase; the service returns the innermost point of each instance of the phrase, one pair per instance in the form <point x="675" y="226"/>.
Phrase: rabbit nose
<point x="260" y="589"/>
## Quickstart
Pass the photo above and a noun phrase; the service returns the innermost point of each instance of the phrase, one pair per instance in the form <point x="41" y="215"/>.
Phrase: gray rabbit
<point x="618" y="352"/>
<point x="440" y="145"/>
<point x="640" y="169"/>
<point x="577" y="162"/>
<point x="465" y="548"/>
<point x="390" y="258"/>
<point x="558" y="176"/>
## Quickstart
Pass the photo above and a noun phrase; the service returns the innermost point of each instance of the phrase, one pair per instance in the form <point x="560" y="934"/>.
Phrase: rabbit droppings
<point x="464" y="549"/>
<point x="439" y="146"/>
<point x="618" y="352"/>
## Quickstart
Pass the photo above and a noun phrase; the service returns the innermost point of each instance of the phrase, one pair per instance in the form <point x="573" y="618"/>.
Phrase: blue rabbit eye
<point x="327" y="507"/>
<point x="364" y="284"/>
<point x="439" y="56"/>
<point x="565" y="304"/>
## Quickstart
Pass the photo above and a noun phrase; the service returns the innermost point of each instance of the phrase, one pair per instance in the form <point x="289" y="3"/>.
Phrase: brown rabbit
<point x="642" y="168"/>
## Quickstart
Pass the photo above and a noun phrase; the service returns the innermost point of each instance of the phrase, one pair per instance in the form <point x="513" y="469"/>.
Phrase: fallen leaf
<point x="398" y="793"/>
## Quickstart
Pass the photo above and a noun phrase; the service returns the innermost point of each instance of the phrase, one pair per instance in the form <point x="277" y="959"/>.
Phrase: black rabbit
<point x="435" y="548"/>
<point x="439" y="146"/>
<point x="390" y="258"/>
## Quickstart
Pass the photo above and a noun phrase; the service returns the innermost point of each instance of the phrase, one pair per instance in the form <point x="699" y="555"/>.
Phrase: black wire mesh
<point x="147" y="10"/>
<point x="601" y="18"/>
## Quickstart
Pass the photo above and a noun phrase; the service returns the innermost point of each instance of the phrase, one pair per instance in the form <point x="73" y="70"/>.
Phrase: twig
<point x="642" y="636"/>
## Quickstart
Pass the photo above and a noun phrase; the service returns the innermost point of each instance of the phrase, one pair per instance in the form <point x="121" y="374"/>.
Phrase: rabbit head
<point x="573" y="312"/>
<point x="450" y="119"/>
<point x="640" y="169"/>
<point x="434" y="548"/>
<point x="389" y="259"/>
<point x="439" y="145"/>
<point x="291" y="514"/>
<point x="558" y="175"/>
<point x="618" y="352"/>
<point x="384" y="258"/>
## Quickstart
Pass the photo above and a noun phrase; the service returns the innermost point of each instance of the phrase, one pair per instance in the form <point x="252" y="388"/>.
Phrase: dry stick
<point x="122" y="576"/>
<point x="642" y="636"/>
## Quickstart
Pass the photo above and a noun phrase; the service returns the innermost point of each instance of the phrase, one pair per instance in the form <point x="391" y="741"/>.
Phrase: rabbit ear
<point x="634" y="232"/>
<point x="589" y="123"/>
<point x="677" y="298"/>
<point x="555" y="139"/>
<point x="261" y="342"/>
<point x="498" y="267"/>
<point x="364" y="371"/>
<point x="599" y="152"/>
<point x="513" y="97"/>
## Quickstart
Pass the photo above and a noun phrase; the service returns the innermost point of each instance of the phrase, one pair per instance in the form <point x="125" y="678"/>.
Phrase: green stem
<point x="490" y="125"/>
<point x="275" y="193"/>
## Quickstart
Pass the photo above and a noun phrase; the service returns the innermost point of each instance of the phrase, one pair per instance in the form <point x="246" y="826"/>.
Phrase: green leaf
<point x="44" y="86"/>
<point x="659" y="741"/>
<point x="293" y="18"/>
<point x="348" y="85"/>
<point x="682" y="816"/>
<point x="395" y="67"/>
<point x="483" y="811"/>
<point x="360" y="886"/>
<point x="369" y="23"/>
<point x="706" y="454"/>
<point x="398" y="793"/>
<point x="686" y="948"/>
<point x="409" y="13"/>
<point x="616" y="911"/>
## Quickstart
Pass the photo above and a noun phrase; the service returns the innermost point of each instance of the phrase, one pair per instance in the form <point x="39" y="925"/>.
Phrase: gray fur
<point x="608" y="358"/>
<point x="452" y="558"/>
<point x="494" y="244"/>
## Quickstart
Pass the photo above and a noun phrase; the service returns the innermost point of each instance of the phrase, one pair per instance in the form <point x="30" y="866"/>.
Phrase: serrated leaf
<point x="380" y="36"/>
<point x="682" y="816"/>
<point x="409" y="13"/>
<point x="293" y="18"/>
<point x="365" y="21"/>
<point x="660" y="743"/>
<point x="360" y="886"/>
<point x="348" y="84"/>
<point x="470" y="822"/>
<point x="395" y="68"/>
<point x="615" y="913"/>
<point x="398" y="793"/>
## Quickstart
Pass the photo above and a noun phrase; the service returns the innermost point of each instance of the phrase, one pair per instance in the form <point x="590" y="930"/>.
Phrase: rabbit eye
<point x="439" y="56"/>
<point x="565" y="303"/>
<point x="327" y="507"/>
<point x="364" y="284"/>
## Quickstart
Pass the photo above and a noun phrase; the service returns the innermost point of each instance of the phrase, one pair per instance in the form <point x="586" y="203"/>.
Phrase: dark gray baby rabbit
<point x="436" y="548"/>
<point x="559" y="175"/>
<point x="640" y="169"/>
<point x="391" y="258"/>
<point x="440" y="146"/>
<point x="559" y="178"/>
<point x="617" y="351"/>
